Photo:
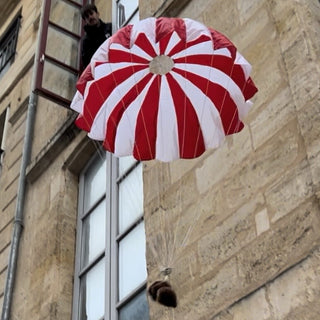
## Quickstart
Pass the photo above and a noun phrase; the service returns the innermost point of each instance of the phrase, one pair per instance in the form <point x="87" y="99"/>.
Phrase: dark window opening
<point x="8" y="45"/>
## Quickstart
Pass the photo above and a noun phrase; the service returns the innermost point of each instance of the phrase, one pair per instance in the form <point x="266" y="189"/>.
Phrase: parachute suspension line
<point x="140" y="103"/>
<point x="202" y="111"/>
<point x="175" y="245"/>
<point x="242" y="90"/>
<point x="224" y="99"/>
<point x="101" y="153"/>
<point x="162" y="218"/>
<point x="166" y="219"/>
<point x="123" y="104"/>
<point x="169" y="236"/>
<point x="96" y="144"/>
<point x="169" y="311"/>
<point x="173" y="248"/>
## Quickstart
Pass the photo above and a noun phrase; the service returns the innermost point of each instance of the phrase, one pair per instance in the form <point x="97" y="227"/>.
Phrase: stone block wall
<point x="14" y="92"/>
<point x="44" y="276"/>
<point x="240" y="225"/>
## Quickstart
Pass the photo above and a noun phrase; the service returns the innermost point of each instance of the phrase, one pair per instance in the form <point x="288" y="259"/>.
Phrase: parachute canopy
<point x="164" y="88"/>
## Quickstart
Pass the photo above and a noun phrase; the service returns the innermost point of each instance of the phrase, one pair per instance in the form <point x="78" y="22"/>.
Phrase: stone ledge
<point x="81" y="154"/>
<point x="53" y="148"/>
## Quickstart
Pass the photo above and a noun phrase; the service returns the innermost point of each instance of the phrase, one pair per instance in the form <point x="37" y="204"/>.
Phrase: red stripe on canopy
<point x="165" y="26"/>
<point x="250" y="89"/>
<point x="98" y="93"/>
<point x="118" y="55"/>
<point x="182" y="45"/>
<point x="143" y="42"/>
<point x="221" y="99"/>
<point x="226" y="65"/>
<point x="191" y="142"/>
<point x="221" y="41"/>
<point x="222" y="63"/>
<point x="119" y="109"/>
<point x="146" y="127"/>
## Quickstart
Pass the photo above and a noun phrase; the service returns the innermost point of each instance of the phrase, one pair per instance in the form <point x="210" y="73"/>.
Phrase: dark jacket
<point x="94" y="37"/>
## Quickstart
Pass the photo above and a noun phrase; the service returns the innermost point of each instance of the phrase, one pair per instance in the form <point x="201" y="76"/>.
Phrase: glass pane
<point x="92" y="295"/>
<point x="135" y="18"/>
<point x="130" y="198"/>
<point x="58" y="80"/>
<point x="136" y="309"/>
<point x="66" y="51"/>
<point x="95" y="182"/>
<point x="66" y="15"/>
<point x="94" y="234"/>
<point x="132" y="261"/>
<point x="125" y="9"/>
<point x="125" y="163"/>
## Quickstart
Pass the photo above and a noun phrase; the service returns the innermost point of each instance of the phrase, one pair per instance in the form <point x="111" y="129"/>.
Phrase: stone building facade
<point x="238" y="227"/>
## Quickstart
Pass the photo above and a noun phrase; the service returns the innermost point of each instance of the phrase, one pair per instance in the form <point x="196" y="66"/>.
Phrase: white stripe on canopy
<point x="207" y="113"/>
<point x="167" y="143"/>
<point x="99" y="124"/>
<point x="125" y="136"/>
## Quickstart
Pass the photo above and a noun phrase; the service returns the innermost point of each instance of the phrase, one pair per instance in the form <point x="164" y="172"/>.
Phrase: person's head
<point x="90" y="15"/>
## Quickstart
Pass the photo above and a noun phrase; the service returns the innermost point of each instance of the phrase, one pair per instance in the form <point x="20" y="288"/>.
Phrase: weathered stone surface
<point x="5" y="236"/>
<point x="223" y="160"/>
<point x="227" y="238"/>
<point x="271" y="118"/>
<point x="257" y="212"/>
<point x="287" y="193"/>
<point x="287" y="243"/>
<point x="292" y="295"/>
<point x="262" y="221"/>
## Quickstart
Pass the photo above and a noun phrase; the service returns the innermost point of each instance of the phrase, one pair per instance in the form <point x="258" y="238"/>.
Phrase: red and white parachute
<point x="164" y="89"/>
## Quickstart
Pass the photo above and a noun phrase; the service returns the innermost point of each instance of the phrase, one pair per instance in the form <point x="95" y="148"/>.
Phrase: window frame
<point x="111" y="249"/>
<point x="44" y="57"/>
<point x="111" y="255"/>
<point x="115" y="241"/>
<point x="117" y="13"/>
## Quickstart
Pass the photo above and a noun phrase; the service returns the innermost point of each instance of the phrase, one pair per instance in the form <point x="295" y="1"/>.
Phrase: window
<point x="59" y="45"/>
<point x="110" y="275"/>
<point x="8" y="43"/>
<point x="127" y="12"/>
<point x="4" y="119"/>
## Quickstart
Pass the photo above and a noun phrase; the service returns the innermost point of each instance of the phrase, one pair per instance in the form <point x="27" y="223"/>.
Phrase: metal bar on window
<point x="94" y="206"/>
<point x="53" y="97"/>
<point x="127" y="172"/>
<point x="129" y="18"/>
<point x="60" y="64"/>
<point x="94" y="262"/>
<point x="131" y="295"/>
<point x="76" y="4"/>
<point x="64" y="30"/>
<point x="129" y="229"/>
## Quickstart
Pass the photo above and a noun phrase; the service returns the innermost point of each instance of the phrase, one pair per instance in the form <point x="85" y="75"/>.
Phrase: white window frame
<point x="111" y="252"/>
<point x="112" y="305"/>
<point x="79" y="249"/>
<point x="117" y="8"/>
<point x="115" y="241"/>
